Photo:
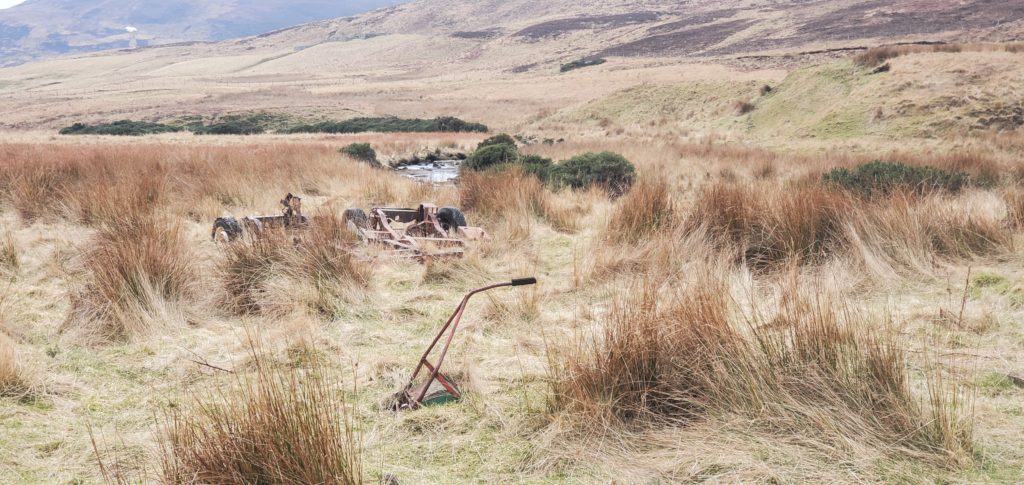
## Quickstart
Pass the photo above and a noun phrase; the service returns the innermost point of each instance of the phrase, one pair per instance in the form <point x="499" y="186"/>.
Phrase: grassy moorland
<point x="800" y="305"/>
<point x="731" y="317"/>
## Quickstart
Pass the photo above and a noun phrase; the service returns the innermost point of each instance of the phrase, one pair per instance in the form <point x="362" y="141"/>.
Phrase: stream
<point x="437" y="172"/>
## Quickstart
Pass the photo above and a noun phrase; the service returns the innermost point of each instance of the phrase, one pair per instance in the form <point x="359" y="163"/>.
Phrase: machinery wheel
<point x="451" y="218"/>
<point x="357" y="218"/>
<point x="227" y="228"/>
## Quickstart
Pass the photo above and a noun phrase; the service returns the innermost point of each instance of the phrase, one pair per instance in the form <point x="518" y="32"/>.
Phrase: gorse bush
<point x="362" y="152"/>
<point x="391" y="125"/>
<point x="120" y="128"/>
<point x="607" y="170"/>
<point x="537" y="166"/>
<point x="570" y="66"/>
<point x="492" y="156"/>
<point x="882" y="178"/>
<point x="231" y="126"/>
<point x="499" y="139"/>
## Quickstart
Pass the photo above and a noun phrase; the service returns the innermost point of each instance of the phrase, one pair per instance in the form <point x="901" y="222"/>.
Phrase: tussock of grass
<point x="769" y="228"/>
<point x="642" y="212"/>
<point x="9" y="257"/>
<point x="134" y="269"/>
<point x="324" y="257"/>
<point x="321" y="256"/>
<point x="512" y="194"/>
<point x="15" y="380"/>
<point x="277" y="427"/>
<point x="247" y="264"/>
<point x="813" y="367"/>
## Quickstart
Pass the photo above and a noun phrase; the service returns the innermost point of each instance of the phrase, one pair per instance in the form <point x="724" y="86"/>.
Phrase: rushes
<point x="767" y="227"/>
<point x="512" y="195"/>
<point x="264" y="270"/>
<point x="9" y="258"/>
<point x="642" y="212"/>
<point x="134" y="270"/>
<point x="279" y="427"/>
<point x="15" y="380"/>
<point x="814" y="366"/>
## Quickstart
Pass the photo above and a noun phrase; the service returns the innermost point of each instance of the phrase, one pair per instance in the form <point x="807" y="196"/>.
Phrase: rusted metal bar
<point x="412" y="398"/>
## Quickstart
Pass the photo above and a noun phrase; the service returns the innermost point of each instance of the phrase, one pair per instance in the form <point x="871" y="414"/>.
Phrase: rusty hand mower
<point x="425" y="393"/>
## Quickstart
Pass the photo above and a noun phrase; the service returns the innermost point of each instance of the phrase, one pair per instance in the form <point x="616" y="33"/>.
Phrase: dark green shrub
<point x="582" y="63"/>
<point x="502" y="139"/>
<point x="120" y="128"/>
<point x="491" y="156"/>
<point x="361" y="151"/>
<point x="537" y="166"/>
<point x="607" y="170"/>
<point x="448" y="124"/>
<point x="881" y="178"/>
<point x="233" y="126"/>
<point x="391" y="125"/>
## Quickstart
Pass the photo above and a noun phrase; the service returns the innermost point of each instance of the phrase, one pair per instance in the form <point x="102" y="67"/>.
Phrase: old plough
<point x="423" y="232"/>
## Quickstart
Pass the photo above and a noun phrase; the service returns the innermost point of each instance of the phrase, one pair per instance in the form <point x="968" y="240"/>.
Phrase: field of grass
<point x="731" y="318"/>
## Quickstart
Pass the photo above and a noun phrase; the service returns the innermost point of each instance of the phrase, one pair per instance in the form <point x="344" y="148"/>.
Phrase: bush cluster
<point x="607" y="170"/>
<point x="120" y="128"/>
<point x="880" y="178"/>
<point x="362" y="152"/>
<point x="582" y="63"/>
<point x="231" y="126"/>
<point x="392" y="125"/>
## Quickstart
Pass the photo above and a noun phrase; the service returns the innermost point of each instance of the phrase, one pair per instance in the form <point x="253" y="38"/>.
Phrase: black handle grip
<point x="524" y="281"/>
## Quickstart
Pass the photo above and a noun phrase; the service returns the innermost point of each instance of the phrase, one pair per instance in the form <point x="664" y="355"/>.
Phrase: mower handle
<point x="524" y="281"/>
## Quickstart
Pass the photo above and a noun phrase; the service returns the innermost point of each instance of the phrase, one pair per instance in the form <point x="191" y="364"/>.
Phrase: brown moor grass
<point x="281" y="426"/>
<point x="814" y="367"/>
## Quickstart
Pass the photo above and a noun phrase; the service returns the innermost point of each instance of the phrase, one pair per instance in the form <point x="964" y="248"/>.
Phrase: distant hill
<point x="42" y="28"/>
<point x="498" y="61"/>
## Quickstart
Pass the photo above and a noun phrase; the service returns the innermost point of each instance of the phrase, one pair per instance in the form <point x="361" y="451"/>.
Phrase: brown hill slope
<point x="43" y="28"/>
<point x="496" y="61"/>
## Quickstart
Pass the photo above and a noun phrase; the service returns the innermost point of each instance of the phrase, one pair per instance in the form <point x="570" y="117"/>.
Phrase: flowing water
<point x="439" y="172"/>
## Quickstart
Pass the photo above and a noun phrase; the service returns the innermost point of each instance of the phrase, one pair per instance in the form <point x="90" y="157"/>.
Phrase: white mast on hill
<point x="132" y="36"/>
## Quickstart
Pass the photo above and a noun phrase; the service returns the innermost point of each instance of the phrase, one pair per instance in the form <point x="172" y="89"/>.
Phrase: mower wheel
<point x="451" y="218"/>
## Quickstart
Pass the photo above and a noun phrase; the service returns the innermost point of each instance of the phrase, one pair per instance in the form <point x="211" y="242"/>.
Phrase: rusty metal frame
<point x="412" y="397"/>
<point x="423" y="230"/>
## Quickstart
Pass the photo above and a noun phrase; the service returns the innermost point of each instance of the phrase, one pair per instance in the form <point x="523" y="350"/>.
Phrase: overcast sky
<point x="9" y="3"/>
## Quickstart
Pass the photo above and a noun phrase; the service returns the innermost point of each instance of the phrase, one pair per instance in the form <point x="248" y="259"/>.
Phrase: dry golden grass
<point x="9" y="258"/>
<point x="15" y="380"/>
<point x="135" y="270"/>
<point x="877" y="55"/>
<point x="714" y="352"/>
<point x="515" y="197"/>
<point x="670" y="360"/>
<point x="645" y="210"/>
<point x="279" y="427"/>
